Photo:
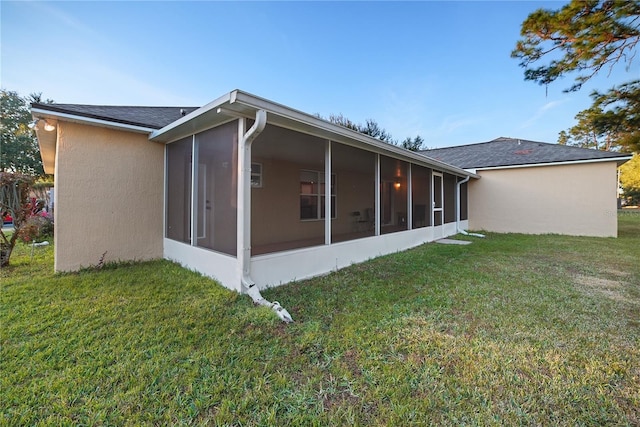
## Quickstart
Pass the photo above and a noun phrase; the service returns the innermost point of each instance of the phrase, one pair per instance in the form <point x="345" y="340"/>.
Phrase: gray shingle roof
<point x="150" y="117"/>
<point x="512" y="152"/>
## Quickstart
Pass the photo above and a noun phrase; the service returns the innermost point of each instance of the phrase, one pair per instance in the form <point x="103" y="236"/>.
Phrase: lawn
<point x="512" y="329"/>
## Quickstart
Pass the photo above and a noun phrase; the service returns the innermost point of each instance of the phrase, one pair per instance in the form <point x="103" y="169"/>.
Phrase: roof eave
<point x="618" y="159"/>
<point x="238" y="104"/>
<point x="43" y="113"/>
<point x="47" y="141"/>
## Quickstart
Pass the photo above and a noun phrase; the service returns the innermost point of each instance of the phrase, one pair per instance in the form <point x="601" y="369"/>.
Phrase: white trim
<point x="283" y="267"/>
<point x="328" y="197"/>
<point x="194" y="192"/>
<point x="219" y="266"/>
<point x="165" y="193"/>
<point x="409" y="199"/>
<point x="253" y="101"/>
<point x="378" y="209"/>
<point x="568" y="162"/>
<point x="89" y="120"/>
<point x="449" y="229"/>
<point x="438" y="230"/>
<point x="210" y="106"/>
<point x="242" y="104"/>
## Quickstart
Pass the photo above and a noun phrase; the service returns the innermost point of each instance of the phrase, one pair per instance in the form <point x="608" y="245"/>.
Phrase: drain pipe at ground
<point x="244" y="197"/>
<point x="459" y="229"/>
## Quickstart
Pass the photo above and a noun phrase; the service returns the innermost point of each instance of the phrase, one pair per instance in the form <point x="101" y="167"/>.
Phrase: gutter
<point x="623" y="158"/>
<point x="458" y="228"/>
<point x="247" y="284"/>
<point x="76" y="118"/>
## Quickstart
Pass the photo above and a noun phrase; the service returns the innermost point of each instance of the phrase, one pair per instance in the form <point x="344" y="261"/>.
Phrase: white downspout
<point x="459" y="229"/>
<point x="248" y="286"/>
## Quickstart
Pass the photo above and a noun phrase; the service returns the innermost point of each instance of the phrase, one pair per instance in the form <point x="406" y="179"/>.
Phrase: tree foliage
<point x="413" y="144"/>
<point x="14" y="200"/>
<point x="595" y="129"/>
<point x="373" y="129"/>
<point x="19" y="151"/>
<point x="611" y="123"/>
<point x="630" y="180"/>
<point x="584" y="36"/>
<point x="623" y="113"/>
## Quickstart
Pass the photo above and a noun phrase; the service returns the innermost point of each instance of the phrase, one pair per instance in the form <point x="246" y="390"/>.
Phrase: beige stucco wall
<point x="578" y="199"/>
<point x="109" y="196"/>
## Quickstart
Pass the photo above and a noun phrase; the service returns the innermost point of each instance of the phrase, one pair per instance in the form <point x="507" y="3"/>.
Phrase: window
<point x="256" y="175"/>
<point x="312" y="198"/>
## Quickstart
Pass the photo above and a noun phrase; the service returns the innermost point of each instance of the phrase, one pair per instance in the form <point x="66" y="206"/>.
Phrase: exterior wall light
<point x="47" y="126"/>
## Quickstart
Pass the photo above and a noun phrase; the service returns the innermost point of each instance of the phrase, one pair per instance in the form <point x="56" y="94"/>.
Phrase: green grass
<point x="513" y="329"/>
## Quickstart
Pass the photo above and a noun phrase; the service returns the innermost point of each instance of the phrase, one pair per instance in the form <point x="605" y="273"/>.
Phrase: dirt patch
<point x="617" y="273"/>
<point x="596" y="286"/>
<point x="351" y="360"/>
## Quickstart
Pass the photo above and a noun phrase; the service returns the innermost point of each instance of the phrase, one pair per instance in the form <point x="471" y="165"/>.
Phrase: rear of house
<point x="240" y="188"/>
<point x="251" y="192"/>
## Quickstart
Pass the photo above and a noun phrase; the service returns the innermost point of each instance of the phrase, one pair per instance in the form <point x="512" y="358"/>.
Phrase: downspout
<point x="248" y="286"/>
<point x="458" y="228"/>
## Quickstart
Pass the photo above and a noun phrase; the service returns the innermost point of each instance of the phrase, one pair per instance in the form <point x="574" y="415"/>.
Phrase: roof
<point x="167" y="124"/>
<point x="505" y="152"/>
<point x="146" y="117"/>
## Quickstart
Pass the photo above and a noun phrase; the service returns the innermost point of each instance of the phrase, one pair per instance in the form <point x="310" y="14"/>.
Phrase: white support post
<point x="194" y="191"/>
<point x="327" y="193"/>
<point x="409" y="199"/>
<point x="377" y="209"/>
<point x="244" y="255"/>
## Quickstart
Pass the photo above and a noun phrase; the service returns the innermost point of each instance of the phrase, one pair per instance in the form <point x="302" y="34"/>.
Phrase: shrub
<point x="14" y="201"/>
<point x="37" y="226"/>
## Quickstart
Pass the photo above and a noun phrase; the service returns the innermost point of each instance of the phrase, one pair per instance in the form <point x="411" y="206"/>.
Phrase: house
<point x="245" y="190"/>
<point x="535" y="187"/>
<point x="256" y="194"/>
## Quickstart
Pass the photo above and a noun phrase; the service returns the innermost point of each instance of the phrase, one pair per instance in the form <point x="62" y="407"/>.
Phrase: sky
<point x="441" y="70"/>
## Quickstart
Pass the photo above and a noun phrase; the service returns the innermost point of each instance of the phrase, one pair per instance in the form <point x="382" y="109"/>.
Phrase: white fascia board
<point x="619" y="160"/>
<point x="242" y="104"/>
<point x="172" y="131"/>
<point x="67" y="117"/>
<point x="339" y="133"/>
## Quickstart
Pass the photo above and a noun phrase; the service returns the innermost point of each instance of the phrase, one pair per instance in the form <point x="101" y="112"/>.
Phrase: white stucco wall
<point x="109" y="196"/>
<point x="578" y="199"/>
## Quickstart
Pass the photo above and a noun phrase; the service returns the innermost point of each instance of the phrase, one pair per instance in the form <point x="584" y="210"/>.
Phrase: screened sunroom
<point x="253" y="188"/>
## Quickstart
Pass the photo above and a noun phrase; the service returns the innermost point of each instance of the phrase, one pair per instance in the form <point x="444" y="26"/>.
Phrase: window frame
<point x="259" y="184"/>
<point x="319" y="195"/>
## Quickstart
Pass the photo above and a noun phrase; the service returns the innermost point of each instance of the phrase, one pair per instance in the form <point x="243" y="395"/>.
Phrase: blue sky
<point x="438" y="69"/>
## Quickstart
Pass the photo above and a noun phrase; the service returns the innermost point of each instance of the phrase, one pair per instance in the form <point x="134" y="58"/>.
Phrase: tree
<point x="630" y="180"/>
<point x="14" y="201"/>
<point x="595" y="129"/>
<point x="373" y="129"/>
<point x="616" y="128"/>
<point x="19" y="151"/>
<point x="584" y="36"/>
<point x="413" y="144"/>
<point x="623" y="114"/>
